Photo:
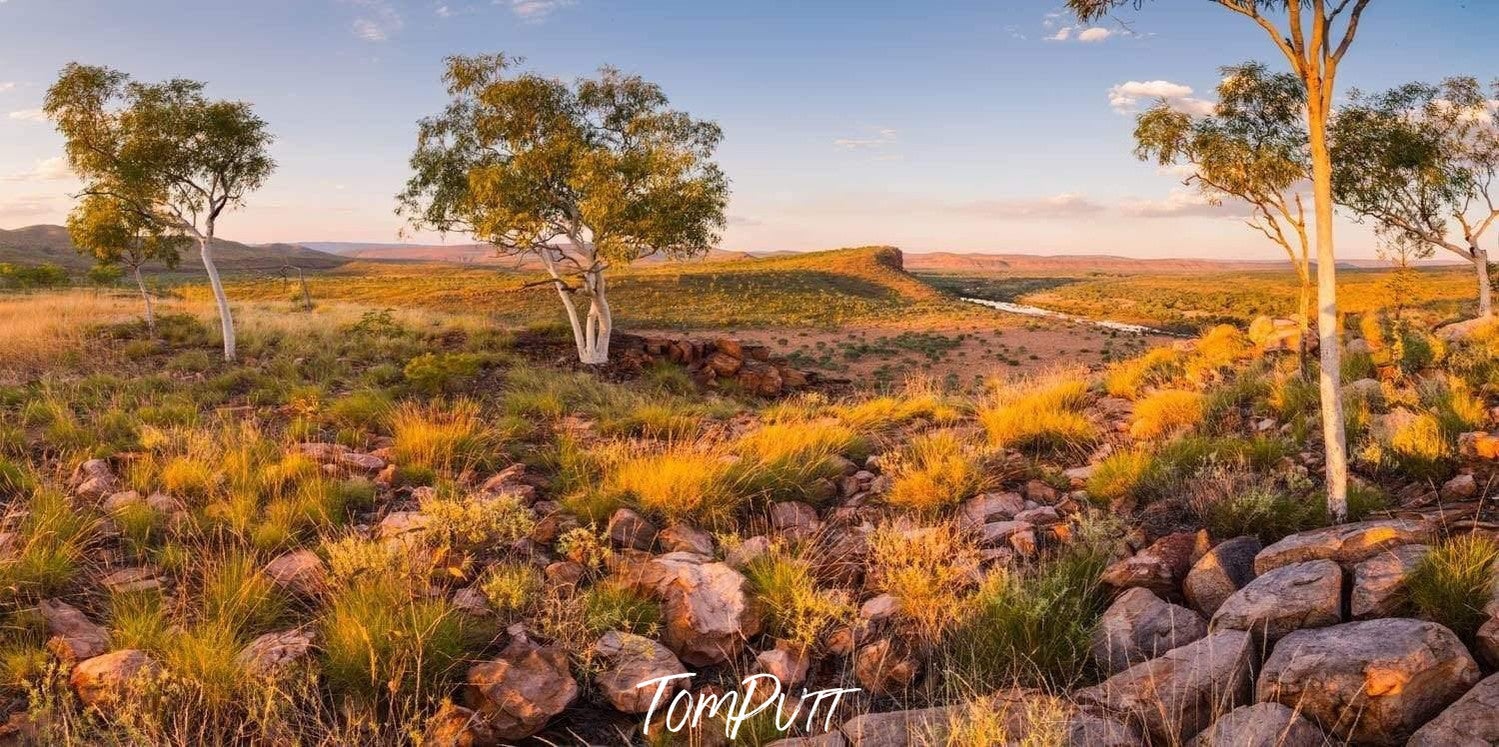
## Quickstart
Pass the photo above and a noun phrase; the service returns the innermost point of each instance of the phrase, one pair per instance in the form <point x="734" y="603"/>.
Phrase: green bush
<point x="441" y="373"/>
<point x="1451" y="583"/>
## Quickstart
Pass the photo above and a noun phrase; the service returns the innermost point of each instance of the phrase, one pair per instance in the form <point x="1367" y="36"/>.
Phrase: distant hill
<point x="1104" y="263"/>
<point x="467" y="254"/>
<point x="34" y="245"/>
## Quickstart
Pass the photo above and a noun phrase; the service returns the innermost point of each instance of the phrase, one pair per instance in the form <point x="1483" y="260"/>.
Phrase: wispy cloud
<point x="1094" y="34"/>
<point x="45" y="170"/>
<point x="29" y="115"/>
<point x="377" y="20"/>
<point x="882" y="137"/>
<point x="1127" y="97"/>
<point x="535" y="11"/>
<point x="1183" y="203"/>
<point x="1063" y="205"/>
<point x="8" y="85"/>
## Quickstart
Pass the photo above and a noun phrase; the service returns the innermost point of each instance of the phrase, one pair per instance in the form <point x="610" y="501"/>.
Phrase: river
<point x="1017" y="308"/>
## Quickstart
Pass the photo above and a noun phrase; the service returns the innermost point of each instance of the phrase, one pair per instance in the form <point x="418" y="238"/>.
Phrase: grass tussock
<point x="936" y="470"/>
<point x="1451" y="583"/>
<point x="930" y="570"/>
<point x="1166" y="412"/>
<point x="1041" y="414"/>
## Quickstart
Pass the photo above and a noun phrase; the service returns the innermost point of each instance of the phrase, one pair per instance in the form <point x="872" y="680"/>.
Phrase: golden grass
<point x="1043" y="412"/>
<point x="930" y="570"/>
<point x="935" y="470"/>
<point x="686" y="481"/>
<point x="1156" y="367"/>
<point x="1166" y="412"/>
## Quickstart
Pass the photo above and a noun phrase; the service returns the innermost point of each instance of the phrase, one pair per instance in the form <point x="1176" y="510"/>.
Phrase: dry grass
<point x="1166" y="412"/>
<point x="1041" y="413"/>
<point x="935" y="470"/>
<point x="930" y="570"/>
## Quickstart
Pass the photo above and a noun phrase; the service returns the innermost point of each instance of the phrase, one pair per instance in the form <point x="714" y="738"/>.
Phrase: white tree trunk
<point x="591" y="333"/>
<point x="1333" y="437"/>
<point x="1485" y="293"/>
<point x="146" y="296"/>
<point x="226" y="317"/>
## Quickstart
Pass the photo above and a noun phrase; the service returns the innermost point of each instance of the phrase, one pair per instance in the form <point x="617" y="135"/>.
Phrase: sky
<point x="997" y="126"/>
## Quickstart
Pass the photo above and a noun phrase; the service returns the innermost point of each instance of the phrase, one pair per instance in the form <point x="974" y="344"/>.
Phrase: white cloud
<point x="1095" y="34"/>
<point x="882" y="137"/>
<point x="1127" y="97"/>
<point x="29" y="115"/>
<point x="444" y="11"/>
<point x="377" y="21"/>
<point x="46" y="170"/>
<point x="1063" y="34"/>
<point x="7" y="86"/>
<point x="1183" y="203"/>
<point x="1056" y="206"/>
<point x="535" y="11"/>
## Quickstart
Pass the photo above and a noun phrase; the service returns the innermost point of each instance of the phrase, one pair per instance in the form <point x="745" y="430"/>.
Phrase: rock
<point x="300" y="572"/>
<point x="788" y="664"/>
<point x="1181" y="692"/>
<point x="1034" y="717"/>
<point x="885" y="667"/>
<point x="1043" y="515"/>
<point x="683" y="538"/>
<point x="1079" y="475"/>
<point x="1139" y="626"/>
<point x="1473" y="721"/>
<point x="1459" y="488"/>
<point x="825" y="739"/>
<point x="472" y="602"/>
<point x="74" y="636"/>
<point x="521" y="690"/>
<point x="128" y="580"/>
<point x="93" y="480"/>
<point x="880" y="608"/>
<point x="631" y="530"/>
<point x="406" y="527"/>
<point x="1000" y="532"/>
<point x="103" y="680"/>
<point x="1348" y="544"/>
<point x="273" y="653"/>
<point x="1487" y="642"/>
<point x="707" y="611"/>
<point x="759" y="378"/>
<point x="1462" y="330"/>
<point x="986" y="508"/>
<point x="361" y="462"/>
<point x="1379" y="582"/>
<point x="724" y="364"/>
<point x="750" y="549"/>
<point x="1161" y="567"/>
<point x="1368" y="390"/>
<point x="632" y="659"/>
<point x="456" y="726"/>
<point x="794" y="518"/>
<point x="322" y="452"/>
<point x="1222" y="571"/>
<point x="118" y="501"/>
<point x="1275" y="334"/>
<point x="564" y="573"/>
<point x="1261" y="725"/>
<point x="1292" y="597"/>
<point x="1371" y="682"/>
<point x="1040" y="492"/>
<point x="901" y="728"/>
<point x="1478" y="445"/>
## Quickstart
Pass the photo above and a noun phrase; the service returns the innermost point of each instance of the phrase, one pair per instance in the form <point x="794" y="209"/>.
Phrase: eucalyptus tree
<point x="1253" y="149"/>
<point x="585" y="177"/>
<point x="115" y="236"/>
<point x="1421" y="160"/>
<point x="163" y="152"/>
<point x="1316" y="36"/>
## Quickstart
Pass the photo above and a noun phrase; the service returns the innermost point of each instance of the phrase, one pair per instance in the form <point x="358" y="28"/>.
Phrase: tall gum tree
<point x="583" y="177"/>
<point x="1253" y="149"/>
<point x="1420" y="160"/>
<point x="1316" y="37"/>
<point x="163" y="152"/>
<point x="114" y="236"/>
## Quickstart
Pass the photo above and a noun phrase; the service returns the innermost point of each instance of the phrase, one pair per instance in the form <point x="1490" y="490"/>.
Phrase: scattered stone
<point x="118" y="501"/>
<point x="1277" y="334"/>
<point x="794" y="519"/>
<point x="300" y="572"/>
<point x="74" y="636"/>
<point x="1478" y="445"/>
<point x="683" y="538"/>
<point x="1461" y="330"/>
<point x="521" y="690"/>
<point x="1040" y="492"/>
<point x="632" y="659"/>
<point x="1367" y="390"/>
<point x="708" y="613"/>
<point x="322" y="452"/>
<point x="1222" y="571"/>
<point x="456" y="726"/>
<point x="751" y="548"/>
<point x="1139" y="626"/>
<point x="825" y="739"/>
<point x="472" y="602"/>
<point x="631" y="530"/>
<point x="406" y="527"/>
<point x="103" y="680"/>
<point x="127" y="580"/>
<point x="787" y="663"/>
<point x="1459" y="488"/>
<point x="885" y="667"/>
<point x="564" y="573"/>
<point x="1379" y="582"/>
<point x="879" y="609"/>
<point x="273" y="653"/>
<point x="1161" y="567"/>
<point x="1043" y="515"/>
<point x="1487" y="642"/>
<point x="1371" y="682"/>
<point x="1261" y="725"/>
<point x="1291" y="597"/>
<point x="362" y="462"/>
<point x="1180" y="693"/>
<point x="1348" y="544"/>
<point x="1000" y="532"/>
<point x="1473" y="721"/>
<point x="93" y="480"/>
<point x="901" y="728"/>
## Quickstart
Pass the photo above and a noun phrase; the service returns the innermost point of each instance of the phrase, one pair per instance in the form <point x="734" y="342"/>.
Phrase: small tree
<point x="1317" y="35"/>
<point x="1400" y="250"/>
<point x="117" y="238"/>
<point x="163" y="153"/>
<point x="1421" y="159"/>
<point x="1253" y="148"/>
<point x="584" y="177"/>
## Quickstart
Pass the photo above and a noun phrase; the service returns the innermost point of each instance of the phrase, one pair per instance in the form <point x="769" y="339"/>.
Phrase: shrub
<point x="935" y="470"/>
<point x="1128" y="378"/>
<point x="1451" y="583"/>
<point x="797" y="609"/>
<point x="784" y="460"/>
<point x="1043" y="414"/>
<point x="441" y="373"/>
<point x="612" y="605"/>
<point x="1165" y="412"/>
<point x="379" y="642"/>
<point x="1232" y="501"/>
<point x="470" y="523"/>
<point x="928" y="570"/>
<point x="511" y="588"/>
<point x="685" y="482"/>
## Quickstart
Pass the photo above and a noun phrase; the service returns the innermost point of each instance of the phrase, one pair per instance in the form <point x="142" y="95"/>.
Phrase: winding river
<point x="1017" y="308"/>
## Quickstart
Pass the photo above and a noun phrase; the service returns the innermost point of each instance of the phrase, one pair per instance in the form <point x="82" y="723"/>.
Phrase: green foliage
<point x="441" y="373"/>
<point x="1451" y="583"/>
<point x="798" y="610"/>
<point x="377" y="642"/>
<point x="610" y="605"/>
<point x="33" y="277"/>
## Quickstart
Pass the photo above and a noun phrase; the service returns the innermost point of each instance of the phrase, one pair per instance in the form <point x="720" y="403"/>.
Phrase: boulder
<point x="901" y="728"/>
<point x="683" y="538"/>
<point x="120" y="501"/>
<point x="794" y="519"/>
<point x="630" y="530"/>
<point x="127" y="580"/>
<point x="471" y="601"/>
<point x="1181" y="692"/>
<point x="1160" y="567"/>
<point x="405" y="527"/>
<point x="885" y="666"/>
<point x="1261" y="725"/>
<point x="879" y="608"/>
<point x="989" y="507"/>
<point x="361" y="462"/>
<point x="787" y="663"/>
<point x="751" y="548"/>
<point x="1140" y="626"/>
<point x="708" y="612"/>
<point x="521" y="690"/>
<point x="1459" y="488"/>
<point x="1379" y="582"/>
<point x="273" y="653"/>
<point x="1486" y="643"/>
<point x="456" y="726"/>
<point x="1473" y="721"/>
<point x="630" y="660"/>
<point x="103" y="680"/>
<point x="1373" y="681"/>
<point x="1276" y="334"/>
<point x="300" y="572"/>
<point x="1222" y="571"/>
<point x="1348" y="544"/>
<point x="1368" y="390"/>
<point x="825" y="739"/>
<point x="1478" y="445"/>
<point x="74" y="636"/>
<point x="1462" y="330"/>
<point x="1291" y="597"/>
<point x="93" y="480"/>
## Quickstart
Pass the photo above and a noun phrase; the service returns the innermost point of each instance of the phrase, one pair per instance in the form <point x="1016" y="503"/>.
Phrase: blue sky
<point x="970" y="126"/>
